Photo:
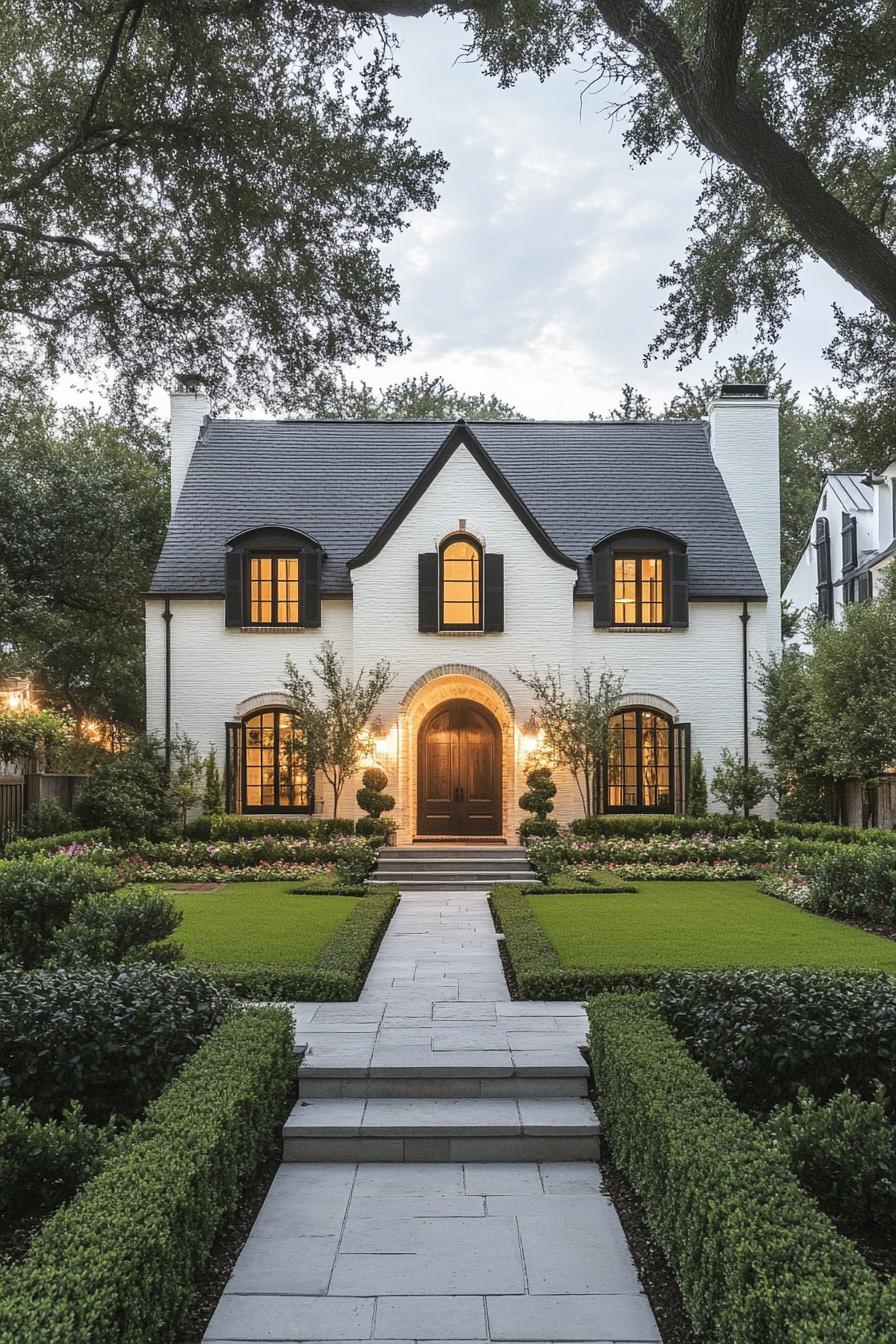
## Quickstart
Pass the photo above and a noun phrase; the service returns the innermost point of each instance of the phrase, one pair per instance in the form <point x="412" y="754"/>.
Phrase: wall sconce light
<point x="532" y="735"/>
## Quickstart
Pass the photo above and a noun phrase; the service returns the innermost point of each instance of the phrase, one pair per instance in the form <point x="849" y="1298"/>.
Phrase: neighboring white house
<point x="460" y="552"/>
<point x="851" y="542"/>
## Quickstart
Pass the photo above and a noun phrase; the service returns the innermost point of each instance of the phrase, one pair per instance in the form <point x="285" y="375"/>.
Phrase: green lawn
<point x="257" y="922"/>
<point x="701" y="925"/>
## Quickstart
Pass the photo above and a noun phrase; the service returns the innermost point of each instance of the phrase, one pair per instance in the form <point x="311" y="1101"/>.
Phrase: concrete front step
<point x="441" y="1130"/>
<point x="442" y="882"/>
<point x="491" y="864"/>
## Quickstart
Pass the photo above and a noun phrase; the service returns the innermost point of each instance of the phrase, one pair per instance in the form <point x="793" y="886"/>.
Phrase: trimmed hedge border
<point x="755" y="1259"/>
<point x="118" y="1264"/>
<point x="536" y="966"/>
<point x="25" y="848"/>
<point x="337" y="972"/>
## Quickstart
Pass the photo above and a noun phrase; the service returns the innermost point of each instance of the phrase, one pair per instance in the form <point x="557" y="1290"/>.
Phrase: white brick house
<point x="460" y="552"/>
<point x="851" y="542"/>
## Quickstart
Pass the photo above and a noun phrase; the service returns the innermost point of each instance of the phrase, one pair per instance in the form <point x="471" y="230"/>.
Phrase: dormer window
<point x="272" y="580"/>
<point x="640" y="581"/>
<point x="461" y="583"/>
<point x="638" y="590"/>
<point x="274" y="589"/>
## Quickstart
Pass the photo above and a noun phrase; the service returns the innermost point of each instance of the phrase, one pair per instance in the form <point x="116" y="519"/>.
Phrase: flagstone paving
<point x="432" y="1250"/>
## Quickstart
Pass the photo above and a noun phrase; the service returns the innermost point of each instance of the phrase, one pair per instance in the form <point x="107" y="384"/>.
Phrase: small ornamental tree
<point x="698" y="802"/>
<point x="539" y="792"/>
<point x="374" y="801"/>
<point x="802" y="781"/>
<point x="331" y="731"/>
<point x="213" y="797"/>
<point x="738" y="786"/>
<point x="576" y="725"/>
<point x="186" y="777"/>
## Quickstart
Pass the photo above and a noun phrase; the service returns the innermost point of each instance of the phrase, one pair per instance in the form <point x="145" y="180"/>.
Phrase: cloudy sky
<point x="535" y="278"/>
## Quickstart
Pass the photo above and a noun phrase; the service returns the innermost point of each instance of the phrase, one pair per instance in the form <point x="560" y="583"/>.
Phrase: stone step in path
<point x="449" y="868"/>
<point x="453" y="1202"/>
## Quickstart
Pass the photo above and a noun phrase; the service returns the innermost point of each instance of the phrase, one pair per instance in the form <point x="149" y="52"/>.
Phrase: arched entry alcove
<point x="464" y="717"/>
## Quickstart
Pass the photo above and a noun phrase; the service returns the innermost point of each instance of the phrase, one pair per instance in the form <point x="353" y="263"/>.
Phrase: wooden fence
<point x="12" y="805"/>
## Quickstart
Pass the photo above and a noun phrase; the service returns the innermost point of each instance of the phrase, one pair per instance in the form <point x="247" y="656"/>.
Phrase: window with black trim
<point x="274" y="589"/>
<point x="638" y="590"/>
<point x="460" y="583"/>
<point x="850" y="541"/>
<point x="639" y="763"/>
<point x="275" y="774"/>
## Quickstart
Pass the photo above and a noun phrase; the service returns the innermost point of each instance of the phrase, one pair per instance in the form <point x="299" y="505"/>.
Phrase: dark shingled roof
<point x="338" y="481"/>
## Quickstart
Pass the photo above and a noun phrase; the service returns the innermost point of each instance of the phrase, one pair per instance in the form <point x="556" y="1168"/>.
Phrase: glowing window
<point x="461" y="584"/>
<point x="638" y="590"/>
<point x="639" y="766"/>
<point x="275" y="777"/>
<point x="274" y="588"/>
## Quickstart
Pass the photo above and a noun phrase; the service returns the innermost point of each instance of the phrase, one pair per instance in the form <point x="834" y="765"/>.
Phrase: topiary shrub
<point x="42" y="1162"/>
<point x="539" y="792"/>
<point x="107" y="1037"/>
<point x="371" y="798"/>
<point x="126" y="925"/>
<point x="130" y="794"/>
<point x="46" y="818"/>
<point x="533" y="829"/>
<point x="375" y="828"/>
<point x="842" y="1152"/>
<point x="37" y="895"/>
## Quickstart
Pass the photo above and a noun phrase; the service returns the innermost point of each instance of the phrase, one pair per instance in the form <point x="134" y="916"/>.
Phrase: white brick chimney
<point x="189" y="408"/>
<point x="743" y="430"/>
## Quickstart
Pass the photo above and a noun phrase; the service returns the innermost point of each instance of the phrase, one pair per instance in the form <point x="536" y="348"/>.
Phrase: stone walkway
<point x="432" y="1249"/>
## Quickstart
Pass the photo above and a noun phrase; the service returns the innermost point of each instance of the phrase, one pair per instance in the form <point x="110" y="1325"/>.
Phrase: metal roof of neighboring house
<point x="854" y="493"/>
<point x="339" y="480"/>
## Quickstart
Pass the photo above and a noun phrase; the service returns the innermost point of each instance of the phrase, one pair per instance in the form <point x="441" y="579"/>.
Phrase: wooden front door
<point x="459" y="771"/>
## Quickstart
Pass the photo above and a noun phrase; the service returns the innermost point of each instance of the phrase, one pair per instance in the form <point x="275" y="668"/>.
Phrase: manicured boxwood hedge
<point x="24" y="848"/>
<point x="642" y="827"/>
<point x="337" y="973"/>
<point x="755" y="1259"/>
<point x="227" y="826"/>
<point x="536" y="966"/>
<point x="118" y="1264"/>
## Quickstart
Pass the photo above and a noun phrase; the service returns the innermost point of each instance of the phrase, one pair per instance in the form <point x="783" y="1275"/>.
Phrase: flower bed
<point x="702" y="851"/>
<point x="281" y="871"/>
<point x="756" y="1261"/>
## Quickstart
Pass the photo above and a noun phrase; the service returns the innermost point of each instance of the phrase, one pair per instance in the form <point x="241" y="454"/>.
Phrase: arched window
<point x="275" y="776"/>
<point x="639" y="766"/>
<point x="460" y="583"/>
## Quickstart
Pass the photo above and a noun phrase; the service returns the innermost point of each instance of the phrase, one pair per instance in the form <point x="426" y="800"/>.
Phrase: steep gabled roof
<point x="342" y="481"/>
<point x="852" y="489"/>
<point x="461" y="436"/>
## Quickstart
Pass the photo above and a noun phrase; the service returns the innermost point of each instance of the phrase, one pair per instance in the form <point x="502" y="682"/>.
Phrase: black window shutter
<point x="494" y="592"/>
<point x="601" y="577"/>
<point x="233" y="588"/>
<point x="428" y="591"/>
<point x="309" y="612"/>
<point x="678" y="588"/>
<point x="864" y="592"/>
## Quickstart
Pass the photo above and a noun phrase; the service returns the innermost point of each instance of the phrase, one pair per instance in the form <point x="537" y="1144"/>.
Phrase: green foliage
<point x="187" y="775"/>
<point x="130" y="795"/>
<point x="754" y="1258"/>
<point x="42" y="1162"/>
<point x="85" y="505"/>
<point x="124" y="925"/>
<point x="213" y="794"/>
<point x="842" y="1151"/>
<point x="331" y="732"/>
<point x="314" y="169"/>
<point x="416" y="398"/>
<point x="26" y="735"/>
<point x="261" y="923"/>
<point x="372" y="799"/>
<point x="107" y="1037"/>
<point x="118" y="1265"/>
<point x="24" y="848"/>
<point x="796" y="749"/>
<point x="37" y="895"/>
<point x="576" y="724"/>
<point x="766" y="1034"/>
<point x="376" y="827"/>
<point x="698" y="801"/>
<point x="531" y="828"/>
<point x="740" y="787"/>
<point x="854" y="881"/>
<point x="541" y="789"/>
<point x="46" y="818"/>
<point x="229" y="826"/>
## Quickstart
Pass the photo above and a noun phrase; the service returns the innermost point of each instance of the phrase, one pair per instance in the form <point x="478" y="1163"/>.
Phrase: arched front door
<point x="459" y="771"/>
